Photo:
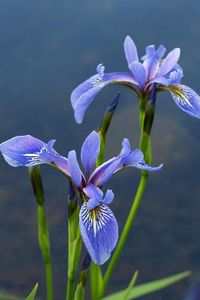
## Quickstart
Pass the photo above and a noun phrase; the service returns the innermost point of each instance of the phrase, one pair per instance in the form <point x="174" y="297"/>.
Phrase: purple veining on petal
<point x="186" y="98"/>
<point x="99" y="231"/>
<point x="23" y="151"/>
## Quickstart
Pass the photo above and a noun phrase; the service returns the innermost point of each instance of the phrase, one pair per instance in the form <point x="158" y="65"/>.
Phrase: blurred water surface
<point x="46" y="49"/>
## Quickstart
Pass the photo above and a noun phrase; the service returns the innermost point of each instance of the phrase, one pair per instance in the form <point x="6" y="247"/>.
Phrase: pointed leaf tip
<point x="31" y="296"/>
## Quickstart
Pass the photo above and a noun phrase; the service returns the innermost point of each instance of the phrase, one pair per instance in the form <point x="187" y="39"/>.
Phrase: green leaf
<point x="149" y="287"/>
<point x="6" y="296"/>
<point x="131" y="285"/>
<point x="31" y="296"/>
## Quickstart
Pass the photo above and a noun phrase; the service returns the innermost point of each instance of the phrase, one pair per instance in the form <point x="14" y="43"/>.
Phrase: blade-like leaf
<point x="149" y="287"/>
<point x="131" y="285"/>
<point x="31" y="296"/>
<point x="6" y="296"/>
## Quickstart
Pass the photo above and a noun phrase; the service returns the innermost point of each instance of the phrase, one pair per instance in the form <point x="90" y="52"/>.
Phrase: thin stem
<point x="74" y="243"/>
<point x="43" y="237"/>
<point x="126" y="229"/>
<point x="43" y="233"/>
<point x="80" y="290"/>
<point x="145" y="146"/>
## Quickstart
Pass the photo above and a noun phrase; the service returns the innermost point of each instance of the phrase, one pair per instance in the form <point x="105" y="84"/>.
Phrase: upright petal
<point x="186" y="98"/>
<point x="99" y="231"/>
<point x="152" y="60"/>
<point x="139" y="73"/>
<point x="90" y="152"/>
<point x="24" y="151"/>
<point x="130" y="51"/>
<point x="74" y="169"/>
<point x="169" y="62"/>
<point x="84" y="94"/>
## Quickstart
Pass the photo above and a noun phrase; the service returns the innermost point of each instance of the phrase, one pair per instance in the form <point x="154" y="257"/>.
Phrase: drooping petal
<point x="144" y="166"/>
<point x="130" y="156"/>
<point x="169" y="62"/>
<point x="90" y="151"/>
<point x="135" y="158"/>
<point x="139" y="73"/>
<point x="84" y="94"/>
<point x="74" y="168"/>
<point x="130" y="51"/>
<point x="186" y="98"/>
<point x="24" y="151"/>
<point x="99" y="231"/>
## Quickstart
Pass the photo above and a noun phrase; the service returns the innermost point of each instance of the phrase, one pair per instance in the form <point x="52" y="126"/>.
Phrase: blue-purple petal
<point x="103" y="173"/>
<point x="99" y="231"/>
<point x="143" y="166"/>
<point x="74" y="168"/>
<point x="152" y="60"/>
<point x="135" y="158"/>
<point x="94" y="194"/>
<point x="130" y="51"/>
<point x="23" y="151"/>
<point x="169" y="62"/>
<point x="90" y="151"/>
<point x="84" y="94"/>
<point x="139" y="73"/>
<point x="109" y="196"/>
<point x="186" y="98"/>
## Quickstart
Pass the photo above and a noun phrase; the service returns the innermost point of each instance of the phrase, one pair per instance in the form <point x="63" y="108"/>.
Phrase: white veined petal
<point x="99" y="230"/>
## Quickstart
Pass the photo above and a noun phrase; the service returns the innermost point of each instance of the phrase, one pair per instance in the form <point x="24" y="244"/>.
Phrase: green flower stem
<point x="145" y="146"/>
<point x="80" y="290"/>
<point x="43" y="234"/>
<point x="43" y="237"/>
<point x="74" y="243"/>
<point x="126" y="229"/>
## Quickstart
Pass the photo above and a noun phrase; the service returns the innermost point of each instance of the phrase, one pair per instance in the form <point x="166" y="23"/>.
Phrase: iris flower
<point x="98" y="225"/>
<point x="165" y="74"/>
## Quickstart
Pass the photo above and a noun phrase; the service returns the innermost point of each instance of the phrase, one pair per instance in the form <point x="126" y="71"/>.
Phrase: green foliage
<point x="131" y="285"/>
<point x="31" y="296"/>
<point x="5" y="296"/>
<point x="149" y="287"/>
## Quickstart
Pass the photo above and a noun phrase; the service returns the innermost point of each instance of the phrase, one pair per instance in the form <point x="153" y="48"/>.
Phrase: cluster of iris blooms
<point x="98" y="225"/>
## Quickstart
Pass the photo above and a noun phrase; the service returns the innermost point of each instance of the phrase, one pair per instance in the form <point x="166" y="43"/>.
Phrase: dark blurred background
<point x="47" y="48"/>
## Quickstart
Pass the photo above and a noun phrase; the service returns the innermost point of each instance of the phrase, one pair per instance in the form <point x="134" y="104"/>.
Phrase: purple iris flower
<point x="98" y="225"/>
<point x="165" y="73"/>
